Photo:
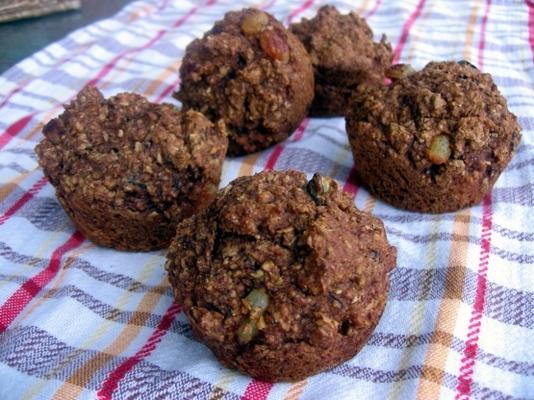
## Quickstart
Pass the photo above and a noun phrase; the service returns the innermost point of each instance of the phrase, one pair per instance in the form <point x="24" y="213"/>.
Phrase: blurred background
<point x="27" y="26"/>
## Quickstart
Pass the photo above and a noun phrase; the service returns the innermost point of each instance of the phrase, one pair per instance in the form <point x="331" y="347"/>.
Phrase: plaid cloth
<point x="79" y="321"/>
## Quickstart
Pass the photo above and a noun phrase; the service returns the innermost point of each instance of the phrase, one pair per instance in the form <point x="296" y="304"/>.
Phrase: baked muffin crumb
<point x="344" y="57"/>
<point x="435" y="140"/>
<point x="281" y="277"/>
<point x="251" y="72"/>
<point x="126" y="170"/>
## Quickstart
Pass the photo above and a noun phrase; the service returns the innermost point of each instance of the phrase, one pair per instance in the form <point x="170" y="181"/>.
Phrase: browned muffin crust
<point x="343" y="55"/>
<point x="127" y="170"/>
<point x="252" y="72"/>
<point x="434" y="140"/>
<point x="282" y="278"/>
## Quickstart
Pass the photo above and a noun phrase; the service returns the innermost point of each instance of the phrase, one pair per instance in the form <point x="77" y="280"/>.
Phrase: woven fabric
<point x="79" y="321"/>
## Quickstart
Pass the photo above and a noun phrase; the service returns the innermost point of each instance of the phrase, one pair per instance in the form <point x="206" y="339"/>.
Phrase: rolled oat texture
<point x="281" y="277"/>
<point x="252" y="72"/>
<point x="434" y="140"/>
<point x="126" y="170"/>
<point x="344" y="57"/>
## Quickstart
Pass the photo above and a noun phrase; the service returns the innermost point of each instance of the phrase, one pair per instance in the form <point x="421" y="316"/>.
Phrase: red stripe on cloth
<point x="374" y="9"/>
<point x="257" y="390"/>
<point x="14" y="129"/>
<point x="463" y="388"/>
<point x="275" y="155"/>
<point x="471" y="345"/>
<point x="17" y="127"/>
<point x="307" y="4"/>
<point x="18" y="89"/>
<point x="350" y="184"/>
<point x="406" y="30"/>
<point x="277" y="151"/>
<point x="115" y="376"/>
<point x="482" y="43"/>
<point x="23" y="295"/>
<point x="59" y="63"/>
<point x="530" y="6"/>
<point x="111" y="65"/>
<point x="27" y="83"/>
<point x="299" y="133"/>
<point x="23" y="200"/>
<point x="167" y="90"/>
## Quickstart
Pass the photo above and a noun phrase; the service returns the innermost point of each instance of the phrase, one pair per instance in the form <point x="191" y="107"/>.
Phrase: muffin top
<point x="128" y="152"/>
<point x="279" y="270"/>
<point x="341" y="46"/>
<point x="449" y="114"/>
<point x="434" y="140"/>
<point x="252" y="72"/>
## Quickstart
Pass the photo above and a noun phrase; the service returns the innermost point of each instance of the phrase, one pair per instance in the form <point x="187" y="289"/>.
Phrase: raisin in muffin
<point x="434" y="140"/>
<point x="282" y="277"/>
<point x="251" y="72"/>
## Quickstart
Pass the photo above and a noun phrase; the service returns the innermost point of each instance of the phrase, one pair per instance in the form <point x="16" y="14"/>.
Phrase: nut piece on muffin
<point x="344" y="56"/>
<point x="435" y="140"/>
<point x="126" y="170"/>
<point x="251" y="72"/>
<point x="282" y="277"/>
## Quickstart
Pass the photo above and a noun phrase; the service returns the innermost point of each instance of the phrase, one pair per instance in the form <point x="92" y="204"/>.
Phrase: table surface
<point x="20" y="39"/>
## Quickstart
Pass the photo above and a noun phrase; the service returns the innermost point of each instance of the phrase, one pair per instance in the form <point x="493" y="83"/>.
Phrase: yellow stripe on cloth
<point x="362" y="7"/>
<point x="43" y="248"/>
<point x="147" y="305"/>
<point x="14" y="183"/>
<point x="221" y="386"/>
<point x="441" y="341"/>
<point x="296" y="390"/>
<point x="418" y="313"/>
<point x="54" y="284"/>
<point x="75" y="383"/>
<point x="98" y="333"/>
<point x="78" y="380"/>
<point x="470" y="33"/>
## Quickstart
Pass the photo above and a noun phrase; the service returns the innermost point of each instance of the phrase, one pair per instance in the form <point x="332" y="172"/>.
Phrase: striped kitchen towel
<point x="80" y="321"/>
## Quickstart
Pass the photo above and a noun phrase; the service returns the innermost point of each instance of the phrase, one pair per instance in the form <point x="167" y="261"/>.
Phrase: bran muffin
<point x="344" y="57"/>
<point x="126" y="170"/>
<point x="252" y="72"/>
<point x="281" y="277"/>
<point x="434" y="140"/>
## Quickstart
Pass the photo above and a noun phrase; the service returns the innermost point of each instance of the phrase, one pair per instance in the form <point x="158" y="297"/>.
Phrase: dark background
<point x="20" y="39"/>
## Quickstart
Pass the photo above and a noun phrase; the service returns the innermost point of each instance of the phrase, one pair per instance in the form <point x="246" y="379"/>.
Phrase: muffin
<point x="344" y="57"/>
<point x="434" y="140"/>
<point x="251" y="72"/>
<point x="281" y="277"/>
<point x="126" y="170"/>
